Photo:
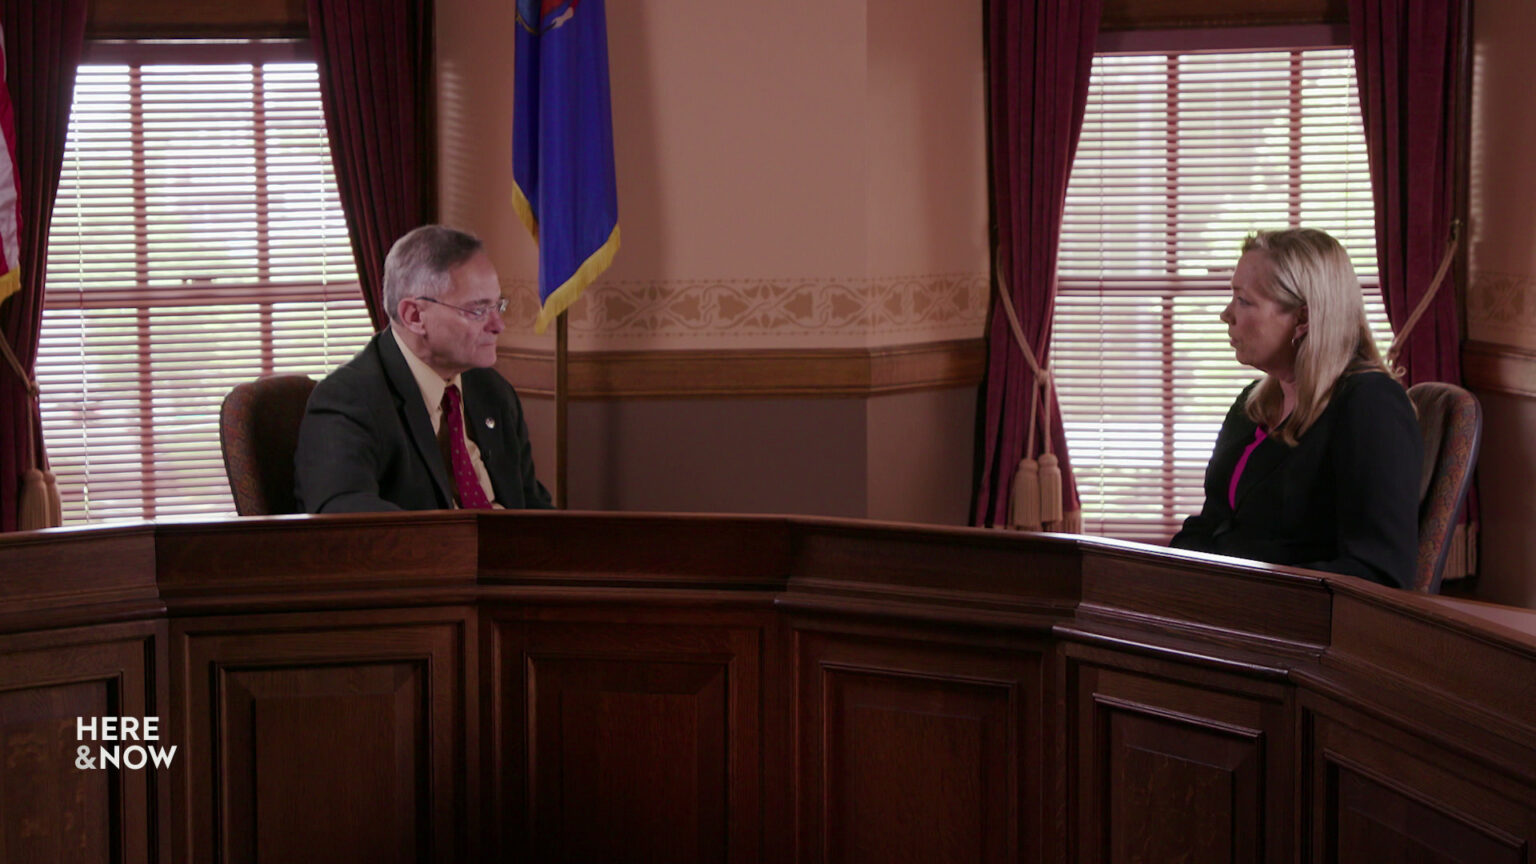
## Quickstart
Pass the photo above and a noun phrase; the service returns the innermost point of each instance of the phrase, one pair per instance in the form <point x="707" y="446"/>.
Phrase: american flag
<point x="10" y="196"/>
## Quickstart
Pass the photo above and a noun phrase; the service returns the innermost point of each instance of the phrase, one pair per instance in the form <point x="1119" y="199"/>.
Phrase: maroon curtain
<point x="375" y="59"/>
<point x="1040" y="53"/>
<point x="42" y="50"/>
<point x="1407" y="61"/>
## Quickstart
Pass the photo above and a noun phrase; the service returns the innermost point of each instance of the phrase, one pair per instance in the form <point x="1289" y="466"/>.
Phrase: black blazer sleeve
<point x="1376" y="457"/>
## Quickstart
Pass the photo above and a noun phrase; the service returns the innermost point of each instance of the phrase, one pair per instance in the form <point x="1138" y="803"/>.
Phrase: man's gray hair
<point x="418" y="263"/>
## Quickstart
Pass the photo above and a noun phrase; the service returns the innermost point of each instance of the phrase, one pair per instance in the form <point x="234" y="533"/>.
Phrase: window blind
<point x="197" y="242"/>
<point x="1182" y="155"/>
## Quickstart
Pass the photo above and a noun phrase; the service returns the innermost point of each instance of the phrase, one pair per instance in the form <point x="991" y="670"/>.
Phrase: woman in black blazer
<point x="1317" y="463"/>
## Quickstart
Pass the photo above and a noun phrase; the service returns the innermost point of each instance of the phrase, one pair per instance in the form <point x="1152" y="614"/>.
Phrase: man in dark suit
<point x="418" y="420"/>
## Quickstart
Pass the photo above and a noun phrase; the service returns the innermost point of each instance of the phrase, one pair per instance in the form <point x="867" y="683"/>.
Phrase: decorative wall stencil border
<point x="1499" y="369"/>
<point x="1503" y="304"/>
<point x="684" y="309"/>
<point x="737" y="374"/>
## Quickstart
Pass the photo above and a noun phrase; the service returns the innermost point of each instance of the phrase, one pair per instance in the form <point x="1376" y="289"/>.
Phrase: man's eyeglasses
<point x="476" y="312"/>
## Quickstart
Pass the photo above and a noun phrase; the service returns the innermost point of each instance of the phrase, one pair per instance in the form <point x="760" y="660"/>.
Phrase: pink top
<point x="1242" y="462"/>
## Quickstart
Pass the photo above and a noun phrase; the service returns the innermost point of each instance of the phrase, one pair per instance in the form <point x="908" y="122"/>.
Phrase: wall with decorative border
<point x="793" y="322"/>
<point x="782" y="184"/>
<point x="1500" y="357"/>
<point x="1501" y="307"/>
<point x="743" y="313"/>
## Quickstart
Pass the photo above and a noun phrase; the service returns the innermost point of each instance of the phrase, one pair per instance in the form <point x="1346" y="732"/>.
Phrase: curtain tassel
<point x="1024" y="508"/>
<point x="1050" y="489"/>
<point x="39" y="505"/>
<point x="1071" y="523"/>
<point x="55" y="500"/>
<point x="39" y="500"/>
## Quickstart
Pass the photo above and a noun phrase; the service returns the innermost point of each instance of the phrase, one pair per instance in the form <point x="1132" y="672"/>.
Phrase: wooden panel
<point x="1499" y="368"/>
<point x="286" y="561"/>
<point x="1162" y="14"/>
<point x="839" y="372"/>
<point x="1411" y="646"/>
<point x="1372" y="820"/>
<point x="1171" y="591"/>
<point x="640" y="550"/>
<point x="630" y="760"/>
<point x="59" y="578"/>
<point x="1179" y="790"/>
<point x="642" y="741"/>
<point x="342" y="753"/>
<point x="335" y="739"/>
<point x="916" y="753"/>
<point x="1380" y="795"/>
<point x="701" y="688"/>
<point x="54" y="810"/>
<point x="140" y="19"/>
<point x="962" y="575"/>
<point x="883" y="805"/>
<point x="1169" y="769"/>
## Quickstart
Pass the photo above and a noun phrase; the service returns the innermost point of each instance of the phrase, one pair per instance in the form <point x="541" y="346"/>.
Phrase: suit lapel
<point x="413" y="408"/>
<point x="482" y="425"/>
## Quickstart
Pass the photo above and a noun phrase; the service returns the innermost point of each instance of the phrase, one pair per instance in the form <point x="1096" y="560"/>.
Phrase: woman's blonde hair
<point x="1312" y="271"/>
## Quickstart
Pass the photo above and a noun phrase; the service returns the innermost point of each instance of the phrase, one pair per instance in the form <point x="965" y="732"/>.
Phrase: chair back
<point x="258" y="432"/>
<point x="1451" y="422"/>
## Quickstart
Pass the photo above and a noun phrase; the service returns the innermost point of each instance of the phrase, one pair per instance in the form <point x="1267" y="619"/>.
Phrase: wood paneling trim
<point x="1167" y="591"/>
<point x="1382" y="795"/>
<point x="290" y="562"/>
<point x="1169" y="14"/>
<point x="1413" y="641"/>
<point x="889" y="572"/>
<point x="57" y="578"/>
<point x="636" y="550"/>
<point x="172" y="19"/>
<point x="1115" y="708"/>
<point x="1499" y="369"/>
<point x="832" y="372"/>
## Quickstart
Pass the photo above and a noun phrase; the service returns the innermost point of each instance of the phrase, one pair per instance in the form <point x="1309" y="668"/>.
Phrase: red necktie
<point x="471" y="495"/>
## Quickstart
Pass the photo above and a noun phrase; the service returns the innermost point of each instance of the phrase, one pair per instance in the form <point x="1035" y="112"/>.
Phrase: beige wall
<point x="1501" y="306"/>
<point x="1501" y="294"/>
<point x="792" y="177"/>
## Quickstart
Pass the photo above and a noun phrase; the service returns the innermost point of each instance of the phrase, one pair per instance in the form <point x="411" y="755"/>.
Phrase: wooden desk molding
<point x="594" y="687"/>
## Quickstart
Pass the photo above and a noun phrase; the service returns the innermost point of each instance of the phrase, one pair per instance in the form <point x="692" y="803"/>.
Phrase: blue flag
<point x="562" y="147"/>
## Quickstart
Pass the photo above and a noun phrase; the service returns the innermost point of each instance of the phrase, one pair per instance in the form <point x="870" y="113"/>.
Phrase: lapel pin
<point x="490" y="422"/>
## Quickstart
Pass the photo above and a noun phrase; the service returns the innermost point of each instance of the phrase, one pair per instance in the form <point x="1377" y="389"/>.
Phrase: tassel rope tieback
<point x="1036" y="501"/>
<point x="38" y="505"/>
<point x="1398" y="343"/>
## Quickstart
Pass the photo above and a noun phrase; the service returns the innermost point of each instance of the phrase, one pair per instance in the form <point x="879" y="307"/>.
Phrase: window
<point x="197" y="242"/>
<point x="1181" y="156"/>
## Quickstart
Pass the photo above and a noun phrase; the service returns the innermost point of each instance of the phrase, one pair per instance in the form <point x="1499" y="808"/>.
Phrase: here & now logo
<point x="120" y="742"/>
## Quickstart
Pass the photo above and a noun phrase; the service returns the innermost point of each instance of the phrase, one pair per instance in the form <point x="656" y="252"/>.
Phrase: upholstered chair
<point x="258" y="432"/>
<point x="1452" y="425"/>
